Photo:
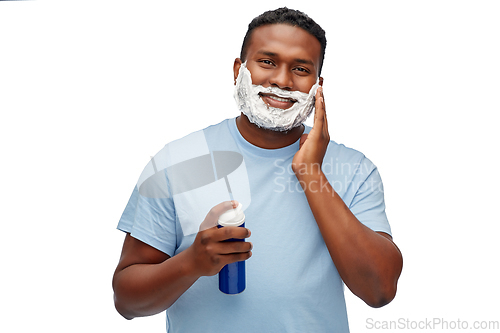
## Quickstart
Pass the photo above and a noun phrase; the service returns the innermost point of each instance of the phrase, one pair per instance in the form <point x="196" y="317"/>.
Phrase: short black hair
<point x="291" y="17"/>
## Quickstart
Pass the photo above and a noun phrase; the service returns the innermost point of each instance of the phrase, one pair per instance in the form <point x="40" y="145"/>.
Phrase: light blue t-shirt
<point x="292" y="284"/>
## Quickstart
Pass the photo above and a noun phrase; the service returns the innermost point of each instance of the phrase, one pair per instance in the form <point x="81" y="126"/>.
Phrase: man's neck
<point x="265" y="138"/>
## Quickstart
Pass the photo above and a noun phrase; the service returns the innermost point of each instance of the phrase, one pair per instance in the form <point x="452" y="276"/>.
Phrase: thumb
<point x="303" y="139"/>
<point x="216" y="211"/>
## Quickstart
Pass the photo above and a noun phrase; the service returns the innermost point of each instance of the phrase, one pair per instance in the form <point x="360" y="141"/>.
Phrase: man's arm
<point x="368" y="262"/>
<point x="148" y="281"/>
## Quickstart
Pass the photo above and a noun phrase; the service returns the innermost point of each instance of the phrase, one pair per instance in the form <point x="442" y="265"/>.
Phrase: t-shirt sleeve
<point x="368" y="204"/>
<point x="150" y="215"/>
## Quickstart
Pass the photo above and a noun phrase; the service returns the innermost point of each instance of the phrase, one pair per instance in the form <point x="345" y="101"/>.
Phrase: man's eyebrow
<point x="298" y="60"/>
<point x="304" y="61"/>
<point x="267" y="53"/>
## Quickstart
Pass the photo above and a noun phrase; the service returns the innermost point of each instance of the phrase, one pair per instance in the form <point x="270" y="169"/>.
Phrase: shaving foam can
<point x="232" y="276"/>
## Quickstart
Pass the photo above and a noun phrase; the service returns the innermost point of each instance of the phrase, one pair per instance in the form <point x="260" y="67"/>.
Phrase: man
<point x="315" y="208"/>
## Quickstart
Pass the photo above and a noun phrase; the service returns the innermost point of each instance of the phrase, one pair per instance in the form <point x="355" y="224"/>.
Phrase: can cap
<point x="233" y="217"/>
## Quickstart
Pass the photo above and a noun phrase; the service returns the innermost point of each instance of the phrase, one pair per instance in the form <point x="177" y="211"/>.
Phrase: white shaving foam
<point x="258" y="112"/>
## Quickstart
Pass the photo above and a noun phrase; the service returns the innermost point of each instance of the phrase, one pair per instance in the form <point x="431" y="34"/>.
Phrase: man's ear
<point x="321" y="81"/>
<point x="236" y="68"/>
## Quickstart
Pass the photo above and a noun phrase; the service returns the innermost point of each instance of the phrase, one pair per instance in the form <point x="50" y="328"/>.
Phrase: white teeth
<point x="279" y="99"/>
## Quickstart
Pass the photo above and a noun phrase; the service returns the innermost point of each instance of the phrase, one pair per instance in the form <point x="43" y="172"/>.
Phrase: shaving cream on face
<point x="247" y="96"/>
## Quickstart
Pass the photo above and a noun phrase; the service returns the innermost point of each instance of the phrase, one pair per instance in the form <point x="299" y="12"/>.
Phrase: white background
<point x="90" y="90"/>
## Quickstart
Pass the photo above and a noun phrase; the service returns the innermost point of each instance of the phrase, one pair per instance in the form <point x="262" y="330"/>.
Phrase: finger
<point x="226" y="259"/>
<point x="324" y="112"/>
<point x="322" y="109"/>
<point x="317" y="103"/>
<point x="225" y="248"/>
<point x="324" y="115"/>
<point x="216" y="211"/>
<point x="226" y="233"/>
<point x="322" y="100"/>
<point x="319" y="112"/>
<point x="234" y="257"/>
<point x="326" y="125"/>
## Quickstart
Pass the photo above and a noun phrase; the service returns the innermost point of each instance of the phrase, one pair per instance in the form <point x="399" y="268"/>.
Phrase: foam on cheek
<point x="258" y="112"/>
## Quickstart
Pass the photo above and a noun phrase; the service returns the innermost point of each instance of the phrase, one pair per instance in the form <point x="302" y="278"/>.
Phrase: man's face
<point x="282" y="56"/>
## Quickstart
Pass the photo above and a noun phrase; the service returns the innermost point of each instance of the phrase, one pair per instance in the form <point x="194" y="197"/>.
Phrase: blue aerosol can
<point x="232" y="276"/>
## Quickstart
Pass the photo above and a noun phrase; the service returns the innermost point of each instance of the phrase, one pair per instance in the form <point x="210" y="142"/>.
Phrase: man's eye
<point x="302" y="70"/>
<point x="267" y="62"/>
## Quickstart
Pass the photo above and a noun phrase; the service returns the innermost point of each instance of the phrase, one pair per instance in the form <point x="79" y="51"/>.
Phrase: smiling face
<point x="282" y="56"/>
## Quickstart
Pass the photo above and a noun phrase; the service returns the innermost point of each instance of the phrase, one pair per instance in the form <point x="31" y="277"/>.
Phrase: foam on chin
<point x="247" y="96"/>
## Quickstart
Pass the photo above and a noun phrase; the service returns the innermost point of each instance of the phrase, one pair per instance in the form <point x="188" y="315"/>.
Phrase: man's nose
<point x="282" y="78"/>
